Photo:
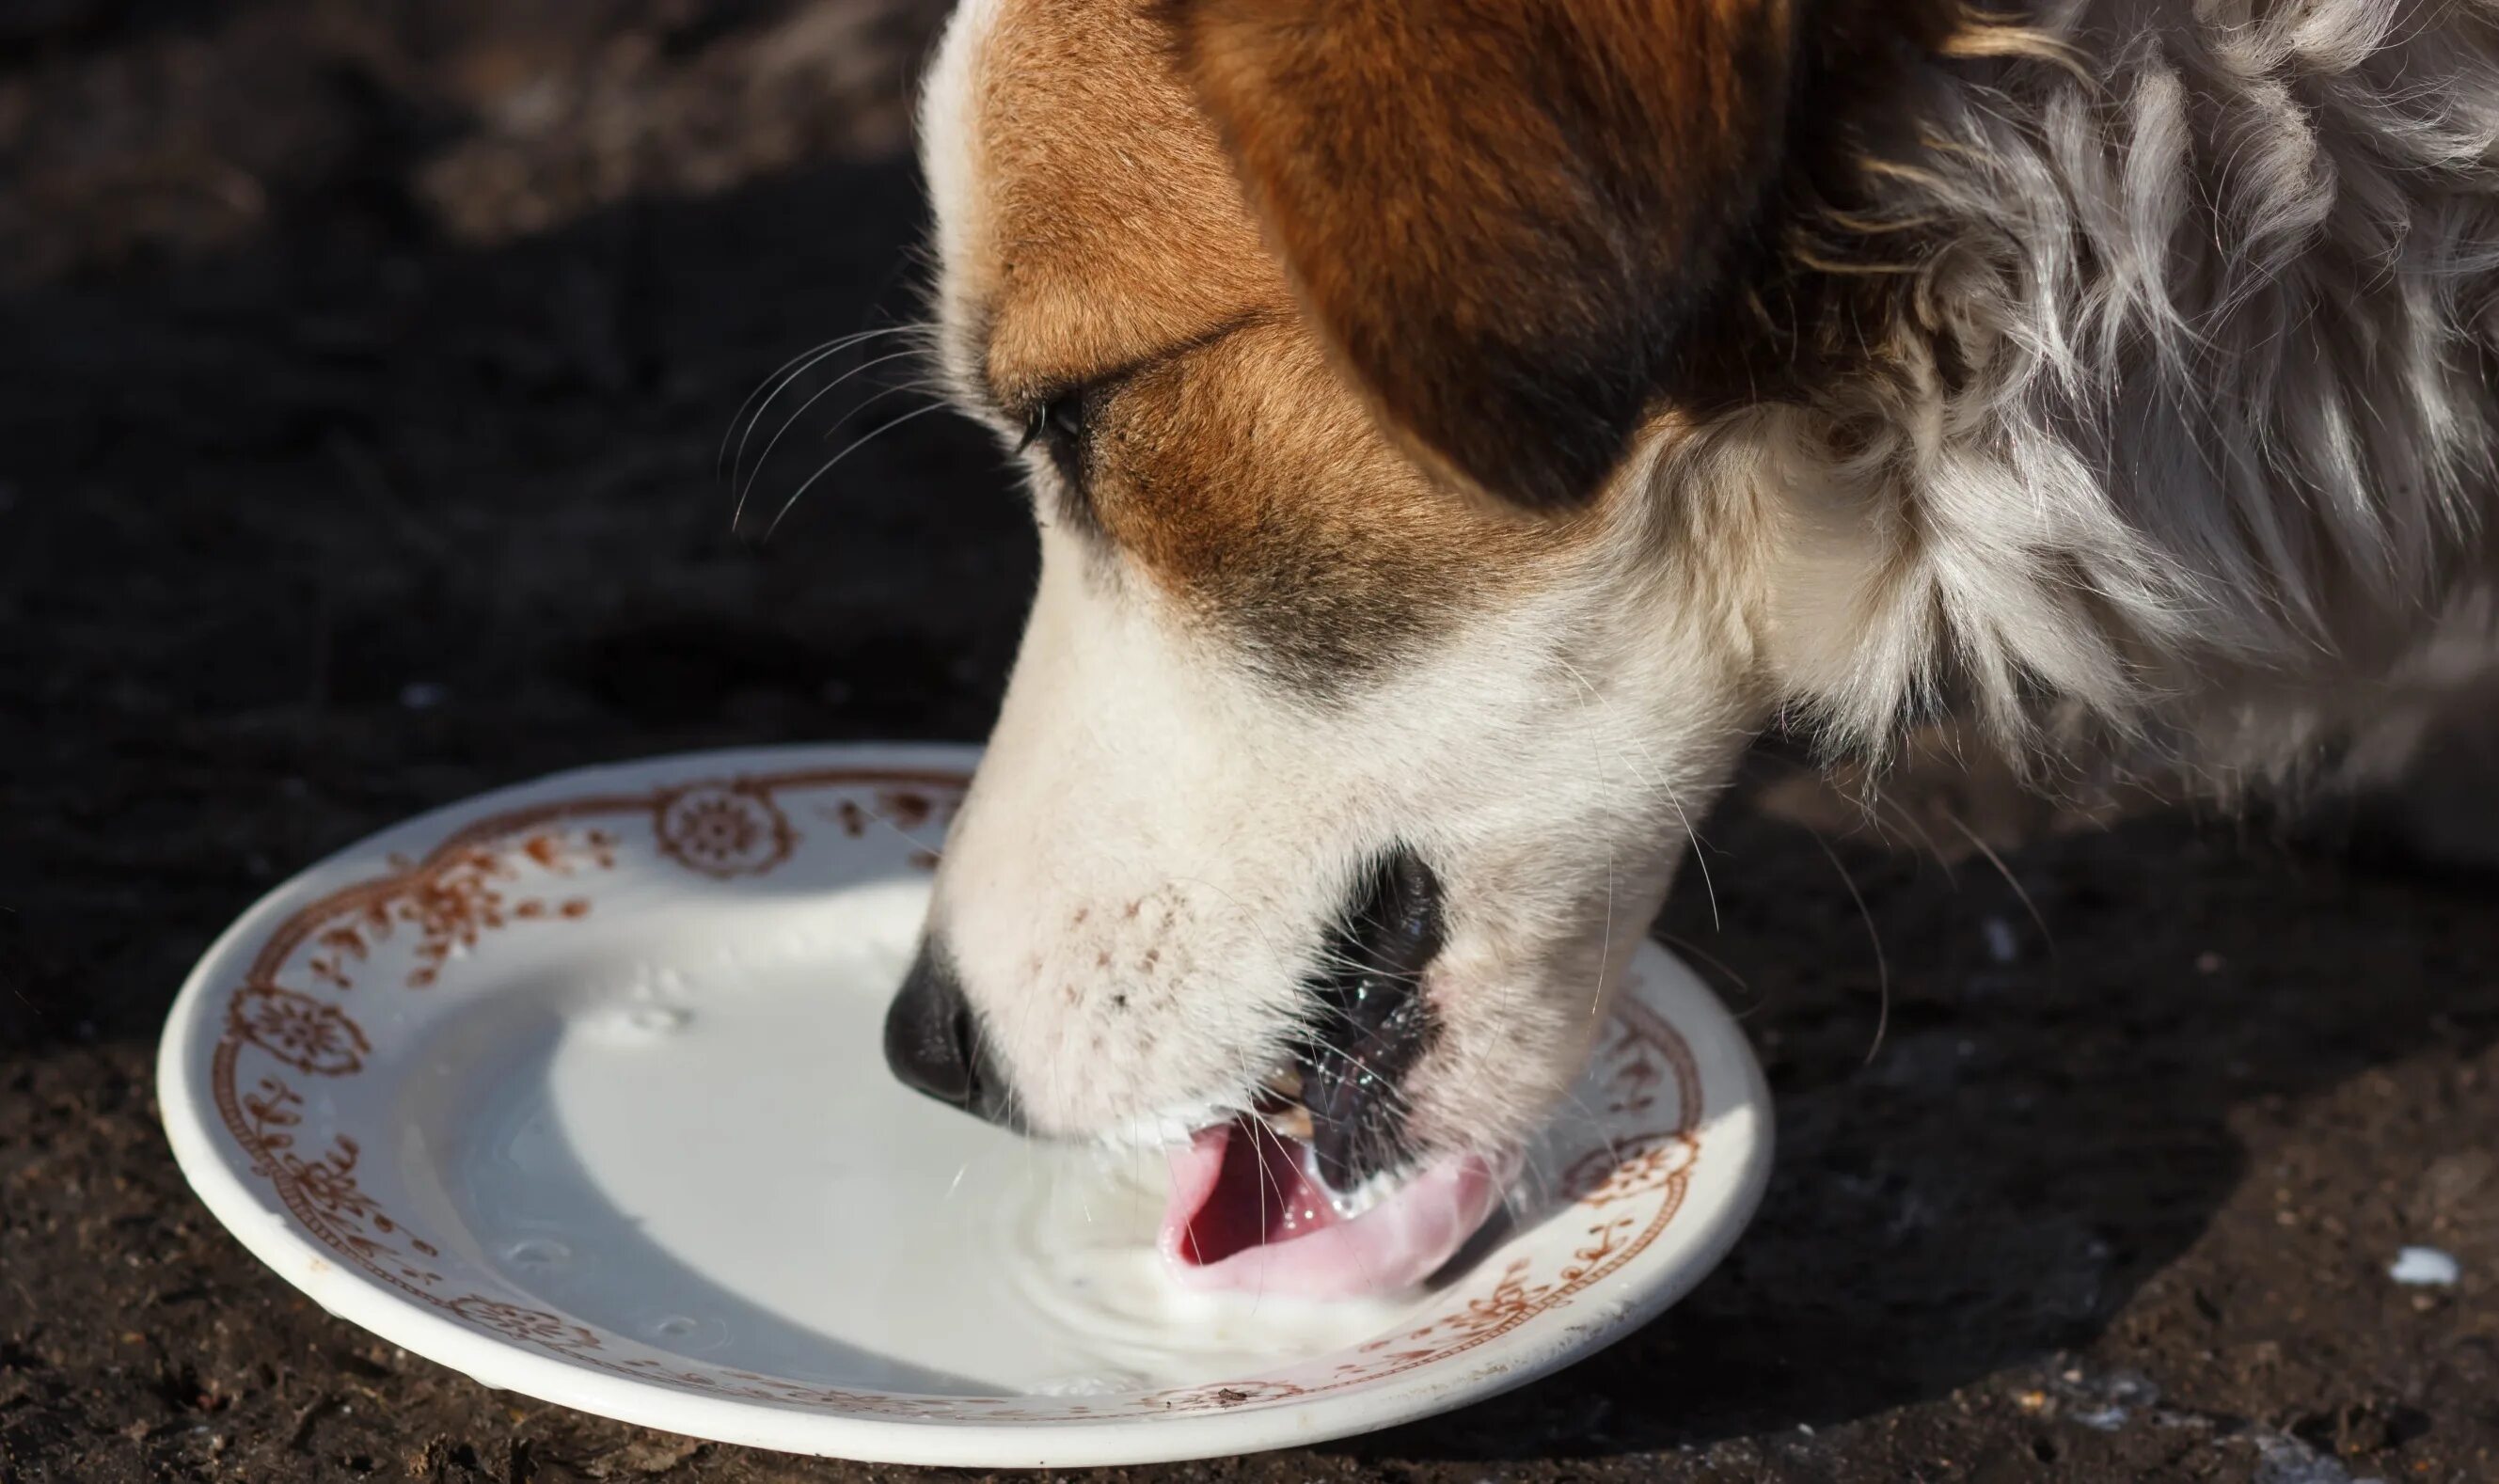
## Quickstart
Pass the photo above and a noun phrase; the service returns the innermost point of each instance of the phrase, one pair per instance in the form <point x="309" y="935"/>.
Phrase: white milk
<point x="712" y="1158"/>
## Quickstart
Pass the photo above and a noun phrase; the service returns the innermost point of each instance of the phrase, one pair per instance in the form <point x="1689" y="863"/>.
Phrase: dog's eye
<point x="1059" y="427"/>
<point x="1059" y="420"/>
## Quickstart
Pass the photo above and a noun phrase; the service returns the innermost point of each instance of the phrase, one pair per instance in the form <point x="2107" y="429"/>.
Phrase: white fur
<point x="2221" y="458"/>
<point x="949" y="158"/>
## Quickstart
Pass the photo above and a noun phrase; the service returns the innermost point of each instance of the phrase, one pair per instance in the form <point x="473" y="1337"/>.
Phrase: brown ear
<point x="1508" y="216"/>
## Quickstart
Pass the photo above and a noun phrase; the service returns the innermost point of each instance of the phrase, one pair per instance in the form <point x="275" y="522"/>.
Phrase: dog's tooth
<point x="1286" y="1082"/>
<point x="1291" y="1122"/>
<point x="1370" y="1193"/>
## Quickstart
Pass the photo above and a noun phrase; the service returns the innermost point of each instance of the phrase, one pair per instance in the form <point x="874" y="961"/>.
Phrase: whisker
<point x="790" y="371"/>
<point x="1882" y="968"/>
<point x="1529" y="1166"/>
<point x="1687" y="946"/>
<point x="933" y="852"/>
<point x="1330" y="959"/>
<point x="1266" y="1184"/>
<point x="1909" y="821"/>
<point x="1383" y="1089"/>
<point x="1605" y="945"/>
<point x="791" y="421"/>
<point x="1665" y="784"/>
<point x="795" y="366"/>
<point x="2001" y="869"/>
<point x="855" y="445"/>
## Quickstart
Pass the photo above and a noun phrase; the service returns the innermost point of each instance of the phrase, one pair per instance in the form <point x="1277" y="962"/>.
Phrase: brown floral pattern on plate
<point x="723" y="830"/>
<point x="455" y="898"/>
<point x="299" y="1030"/>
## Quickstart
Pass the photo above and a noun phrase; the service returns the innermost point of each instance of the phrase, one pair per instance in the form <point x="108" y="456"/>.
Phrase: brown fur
<point x="1224" y="456"/>
<point x="1500" y="238"/>
<point x="1508" y="216"/>
<point x="1113" y="230"/>
<point x="1244" y="475"/>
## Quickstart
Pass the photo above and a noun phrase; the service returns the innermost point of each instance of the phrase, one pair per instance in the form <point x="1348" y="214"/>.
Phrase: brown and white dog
<point x="1457" y="428"/>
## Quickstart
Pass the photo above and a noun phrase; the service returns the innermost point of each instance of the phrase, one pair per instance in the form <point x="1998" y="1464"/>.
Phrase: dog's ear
<point x="1508" y="217"/>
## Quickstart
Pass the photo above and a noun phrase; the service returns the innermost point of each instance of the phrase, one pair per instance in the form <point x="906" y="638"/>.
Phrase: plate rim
<point x="267" y="1232"/>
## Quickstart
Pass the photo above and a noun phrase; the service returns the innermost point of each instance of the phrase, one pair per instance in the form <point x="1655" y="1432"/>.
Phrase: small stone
<point x="2424" y="1266"/>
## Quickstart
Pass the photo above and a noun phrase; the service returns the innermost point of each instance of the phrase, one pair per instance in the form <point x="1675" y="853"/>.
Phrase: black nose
<point x="932" y="1041"/>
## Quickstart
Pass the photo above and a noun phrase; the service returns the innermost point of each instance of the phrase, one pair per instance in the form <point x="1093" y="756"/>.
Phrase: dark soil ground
<point x="361" y="374"/>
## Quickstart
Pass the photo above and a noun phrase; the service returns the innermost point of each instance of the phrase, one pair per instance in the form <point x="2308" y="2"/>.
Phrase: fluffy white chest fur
<point x="2190" y="431"/>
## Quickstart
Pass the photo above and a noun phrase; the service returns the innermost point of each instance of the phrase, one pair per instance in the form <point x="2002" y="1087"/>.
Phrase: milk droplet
<point x="674" y="1326"/>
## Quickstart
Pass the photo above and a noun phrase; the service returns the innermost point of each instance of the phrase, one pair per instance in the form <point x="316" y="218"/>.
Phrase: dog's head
<point x="1391" y="637"/>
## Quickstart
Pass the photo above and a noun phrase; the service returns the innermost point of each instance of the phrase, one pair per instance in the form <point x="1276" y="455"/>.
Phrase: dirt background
<point x="362" y="369"/>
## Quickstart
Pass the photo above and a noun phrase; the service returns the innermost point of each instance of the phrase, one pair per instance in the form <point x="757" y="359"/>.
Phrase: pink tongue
<point x="1246" y="1213"/>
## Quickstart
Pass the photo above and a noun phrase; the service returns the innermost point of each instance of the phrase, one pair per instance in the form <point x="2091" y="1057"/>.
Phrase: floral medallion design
<point x="299" y="1030"/>
<point x="288" y="1022"/>
<point x="723" y="830"/>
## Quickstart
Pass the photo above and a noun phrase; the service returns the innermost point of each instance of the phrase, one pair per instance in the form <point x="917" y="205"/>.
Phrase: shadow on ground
<point x="2054" y="1119"/>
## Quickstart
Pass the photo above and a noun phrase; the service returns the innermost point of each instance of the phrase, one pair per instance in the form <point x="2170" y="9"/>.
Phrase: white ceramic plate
<point x="579" y="1089"/>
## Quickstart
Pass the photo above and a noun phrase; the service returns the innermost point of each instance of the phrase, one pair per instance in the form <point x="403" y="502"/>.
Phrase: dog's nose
<point x="932" y="1041"/>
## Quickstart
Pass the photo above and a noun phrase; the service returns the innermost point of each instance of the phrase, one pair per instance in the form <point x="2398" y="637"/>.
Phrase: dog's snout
<point x="933" y="1040"/>
<point x="929" y="1031"/>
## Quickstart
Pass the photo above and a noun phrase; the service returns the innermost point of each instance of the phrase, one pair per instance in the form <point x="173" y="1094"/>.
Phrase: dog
<point x="1458" y="429"/>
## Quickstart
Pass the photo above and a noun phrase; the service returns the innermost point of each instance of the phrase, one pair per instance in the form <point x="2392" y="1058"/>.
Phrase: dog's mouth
<point x="1316" y="1192"/>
